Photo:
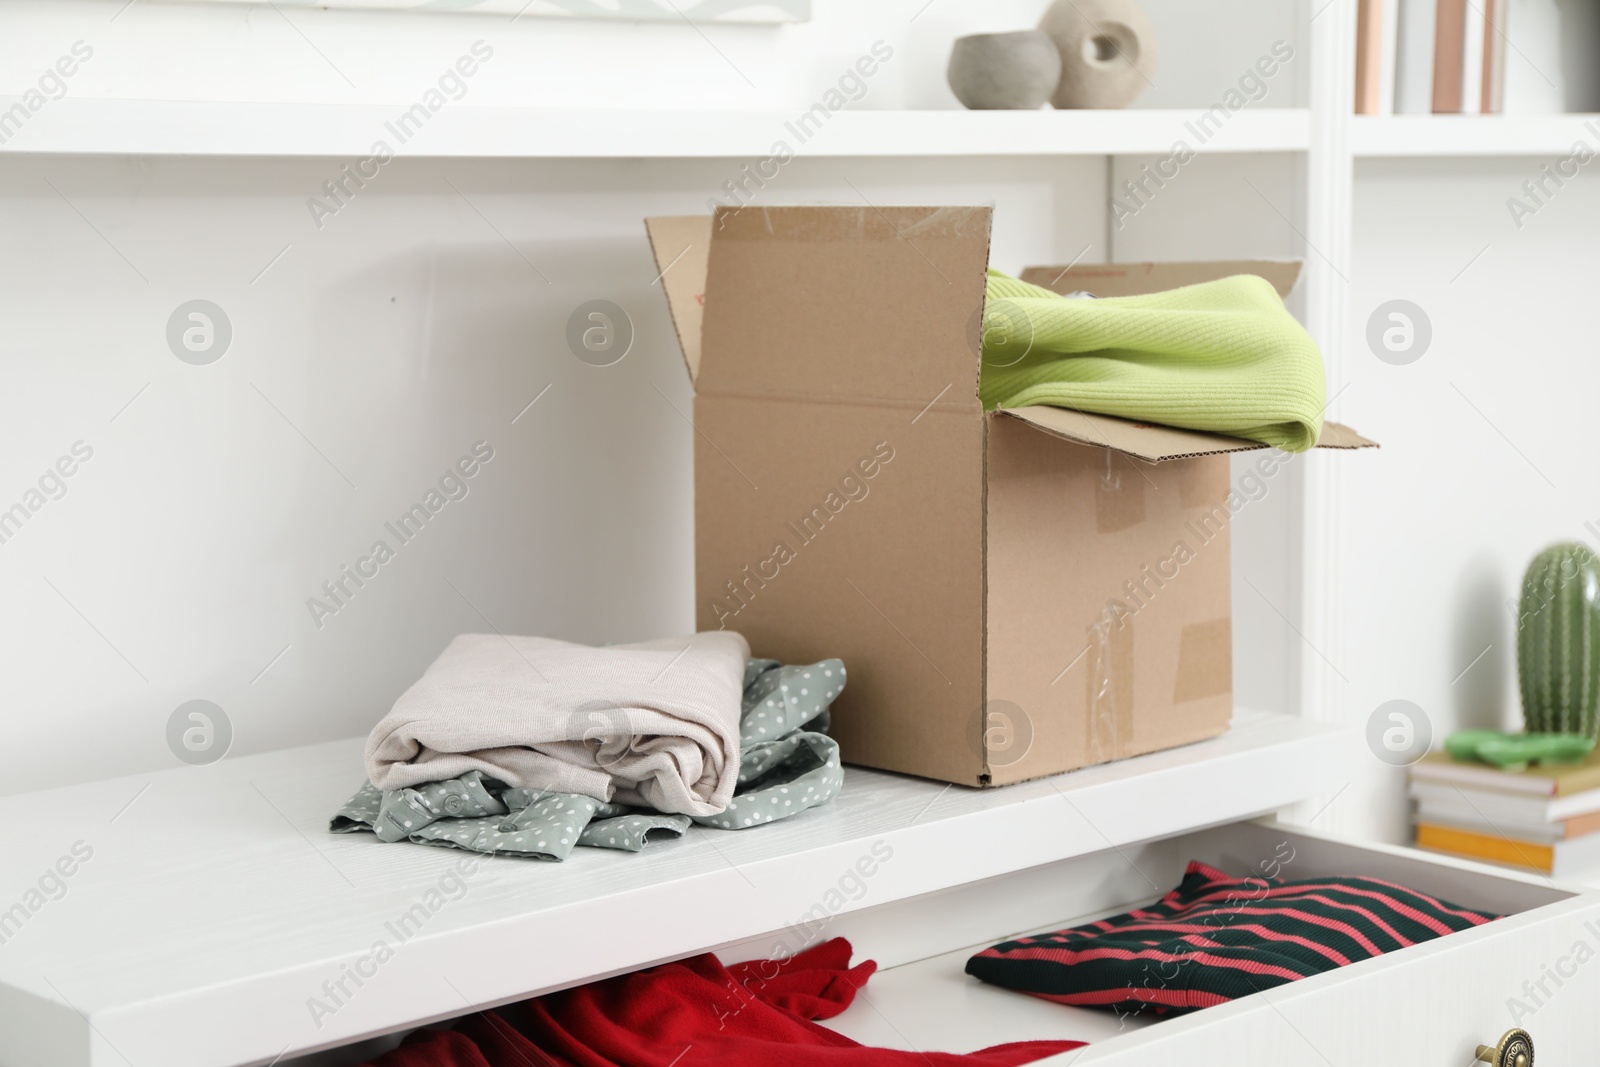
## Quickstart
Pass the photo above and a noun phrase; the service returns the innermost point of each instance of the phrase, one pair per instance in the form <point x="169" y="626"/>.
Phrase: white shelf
<point x="1393" y="136"/>
<point x="216" y="904"/>
<point x="162" y="127"/>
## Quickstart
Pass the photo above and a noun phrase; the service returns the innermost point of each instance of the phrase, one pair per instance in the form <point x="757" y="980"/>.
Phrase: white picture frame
<point x="743" y="11"/>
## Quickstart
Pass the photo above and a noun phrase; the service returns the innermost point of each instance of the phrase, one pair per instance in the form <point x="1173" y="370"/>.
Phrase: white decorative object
<point x="1108" y="51"/>
<point x="634" y="10"/>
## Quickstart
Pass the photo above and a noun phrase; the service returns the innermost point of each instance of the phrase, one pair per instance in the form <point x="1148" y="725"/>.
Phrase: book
<point x="1473" y="40"/>
<point x="1413" y="77"/>
<point x="1388" y="51"/>
<point x="1536" y="71"/>
<point x="1449" y="50"/>
<point x="1369" y="55"/>
<point x="1553" y="780"/>
<point x="1505" y="807"/>
<point x="1470" y="816"/>
<point x="1557" y="859"/>
<point x="1495" y="42"/>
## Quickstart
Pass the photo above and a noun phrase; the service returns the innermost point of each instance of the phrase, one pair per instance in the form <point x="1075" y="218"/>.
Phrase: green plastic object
<point x="1558" y="642"/>
<point x="1513" y="752"/>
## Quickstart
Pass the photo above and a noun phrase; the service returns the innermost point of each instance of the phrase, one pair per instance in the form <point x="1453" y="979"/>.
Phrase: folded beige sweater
<point x="653" y="724"/>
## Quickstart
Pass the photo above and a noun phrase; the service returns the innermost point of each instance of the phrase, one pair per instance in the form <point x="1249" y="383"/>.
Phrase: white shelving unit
<point x="216" y="904"/>
<point x="210" y="919"/>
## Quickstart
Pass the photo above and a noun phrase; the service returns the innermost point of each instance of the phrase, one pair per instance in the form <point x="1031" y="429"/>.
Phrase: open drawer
<point x="1430" y="1005"/>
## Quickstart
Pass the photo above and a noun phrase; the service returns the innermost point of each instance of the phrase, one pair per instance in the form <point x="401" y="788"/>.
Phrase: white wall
<point x="1484" y="457"/>
<point x="393" y="339"/>
<point x="370" y="353"/>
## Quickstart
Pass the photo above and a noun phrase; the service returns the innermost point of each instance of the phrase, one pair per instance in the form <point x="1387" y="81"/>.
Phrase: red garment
<point x="693" y="1013"/>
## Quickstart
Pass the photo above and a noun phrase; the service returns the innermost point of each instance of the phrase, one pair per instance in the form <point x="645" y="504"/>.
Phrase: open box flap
<point x="860" y="303"/>
<point x="881" y="284"/>
<point x="1157" y="443"/>
<point x="681" y="245"/>
<point x="1133" y="279"/>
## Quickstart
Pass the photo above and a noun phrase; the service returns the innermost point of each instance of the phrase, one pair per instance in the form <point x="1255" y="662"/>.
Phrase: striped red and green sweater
<point x="1217" y="938"/>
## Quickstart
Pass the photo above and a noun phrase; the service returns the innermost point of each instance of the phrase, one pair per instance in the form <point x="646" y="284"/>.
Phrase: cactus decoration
<point x="1558" y="642"/>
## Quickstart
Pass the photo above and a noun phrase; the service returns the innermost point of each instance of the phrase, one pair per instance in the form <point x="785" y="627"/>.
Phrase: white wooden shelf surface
<point x="1379" y="136"/>
<point x="164" y="127"/>
<point x="215" y="905"/>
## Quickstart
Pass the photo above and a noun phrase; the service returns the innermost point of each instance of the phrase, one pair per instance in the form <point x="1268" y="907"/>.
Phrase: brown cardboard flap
<point x="682" y="246"/>
<point x="1157" y="443"/>
<point x="1338" y="435"/>
<point x="846" y="304"/>
<point x="1133" y="279"/>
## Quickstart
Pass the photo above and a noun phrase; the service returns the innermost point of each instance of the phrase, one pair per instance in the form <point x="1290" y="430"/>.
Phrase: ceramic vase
<point x="1107" y="49"/>
<point x="993" y="71"/>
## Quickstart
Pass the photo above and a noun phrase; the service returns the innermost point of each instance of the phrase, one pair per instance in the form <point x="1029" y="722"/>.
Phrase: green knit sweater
<point x="1222" y="356"/>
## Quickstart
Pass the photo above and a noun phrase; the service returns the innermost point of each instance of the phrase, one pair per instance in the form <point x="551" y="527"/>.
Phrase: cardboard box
<point x="1015" y="593"/>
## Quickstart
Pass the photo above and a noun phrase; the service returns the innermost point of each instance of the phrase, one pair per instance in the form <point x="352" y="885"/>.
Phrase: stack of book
<point x="1417" y="57"/>
<point x="1542" y="818"/>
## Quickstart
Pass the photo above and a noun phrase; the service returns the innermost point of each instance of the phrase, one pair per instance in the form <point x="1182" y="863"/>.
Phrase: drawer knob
<point x="1514" y="1050"/>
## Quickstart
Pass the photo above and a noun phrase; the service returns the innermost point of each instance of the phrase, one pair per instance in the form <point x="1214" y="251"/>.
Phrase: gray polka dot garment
<point x="787" y="763"/>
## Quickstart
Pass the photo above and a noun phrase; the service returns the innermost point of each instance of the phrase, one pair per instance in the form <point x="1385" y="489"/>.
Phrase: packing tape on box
<point x="1205" y="660"/>
<point x="1118" y="495"/>
<point x="1118" y="505"/>
<point x="1110" y="680"/>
